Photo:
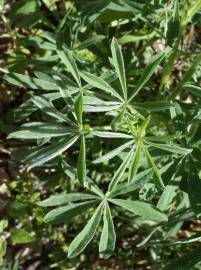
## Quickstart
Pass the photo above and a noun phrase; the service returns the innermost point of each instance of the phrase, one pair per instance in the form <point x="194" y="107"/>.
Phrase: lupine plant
<point x="155" y="178"/>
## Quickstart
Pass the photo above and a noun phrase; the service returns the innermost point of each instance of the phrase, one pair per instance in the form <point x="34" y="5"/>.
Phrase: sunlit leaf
<point x="85" y="236"/>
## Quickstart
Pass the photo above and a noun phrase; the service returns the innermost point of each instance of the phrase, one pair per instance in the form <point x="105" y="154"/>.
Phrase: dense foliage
<point x="100" y="139"/>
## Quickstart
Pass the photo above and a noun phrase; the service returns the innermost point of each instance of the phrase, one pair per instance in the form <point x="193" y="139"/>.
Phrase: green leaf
<point x="137" y="182"/>
<point x="153" y="105"/>
<point x="132" y="128"/>
<point x="21" y="236"/>
<point x="148" y="72"/>
<point x="24" y="110"/>
<point x="108" y="236"/>
<point x="70" y="171"/>
<point x="118" y="118"/>
<point x="46" y="153"/>
<point x="173" y="148"/>
<point x="3" y="247"/>
<point x="156" y="173"/>
<point x="21" y="80"/>
<point x="142" y="209"/>
<point x="81" y="165"/>
<point x="66" y="213"/>
<point x="95" y="101"/>
<point x="3" y="225"/>
<point x="109" y="134"/>
<point x="114" y="152"/>
<point x="185" y="262"/>
<point x="94" y="104"/>
<point x="166" y="198"/>
<point x="1" y="6"/>
<point x="90" y="41"/>
<point x="118" y="63"/>
<point x="79" y="108"/>
<point x="193" y="89"/>
<point x="68" y="60"/>
<point x="135" y="162"/>
<point x="192" y="8"/>
<point x="125" y="39"/>
<point x="66" y="198"/>
<point x="194" y="189"/>
<point x="144" y="126"/>
<point x="165" y="138"/>
<point x="17" y="210"/>
<point x="119" y="173"/>
<point x="50" y="4"/>
<point x="93" y="187"/>
<point x="24" y="7"/>
<point x="101" y="108"/>
<point x="99" y="83"/>
<point x="37" y="130"/>
<point x="196" y="237"/>
<point x="173" y="25"/>
<point x="48" y="108"/>
<point x="85" y="236"/>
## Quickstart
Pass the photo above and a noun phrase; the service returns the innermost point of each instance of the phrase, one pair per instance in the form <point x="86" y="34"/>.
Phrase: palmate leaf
<point x="118" y="63"/>
<point x="145" y="210"/>
<point x="38" y="130"/>
<point x="85" y="236"/>
<point x="66" y="198"/>
<point x="46" y="153"/>
<point x="108" y="236"/>
<point x="66" y="213"/>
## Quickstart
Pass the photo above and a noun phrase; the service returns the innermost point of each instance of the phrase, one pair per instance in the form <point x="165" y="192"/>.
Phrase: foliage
<point x="107" y="123"/>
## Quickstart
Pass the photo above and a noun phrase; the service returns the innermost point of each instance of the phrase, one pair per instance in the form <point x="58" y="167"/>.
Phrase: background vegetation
<point x="131" y="116"/>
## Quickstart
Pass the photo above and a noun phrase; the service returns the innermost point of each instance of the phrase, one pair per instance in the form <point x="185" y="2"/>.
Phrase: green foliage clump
<point x="109" y="122"/>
